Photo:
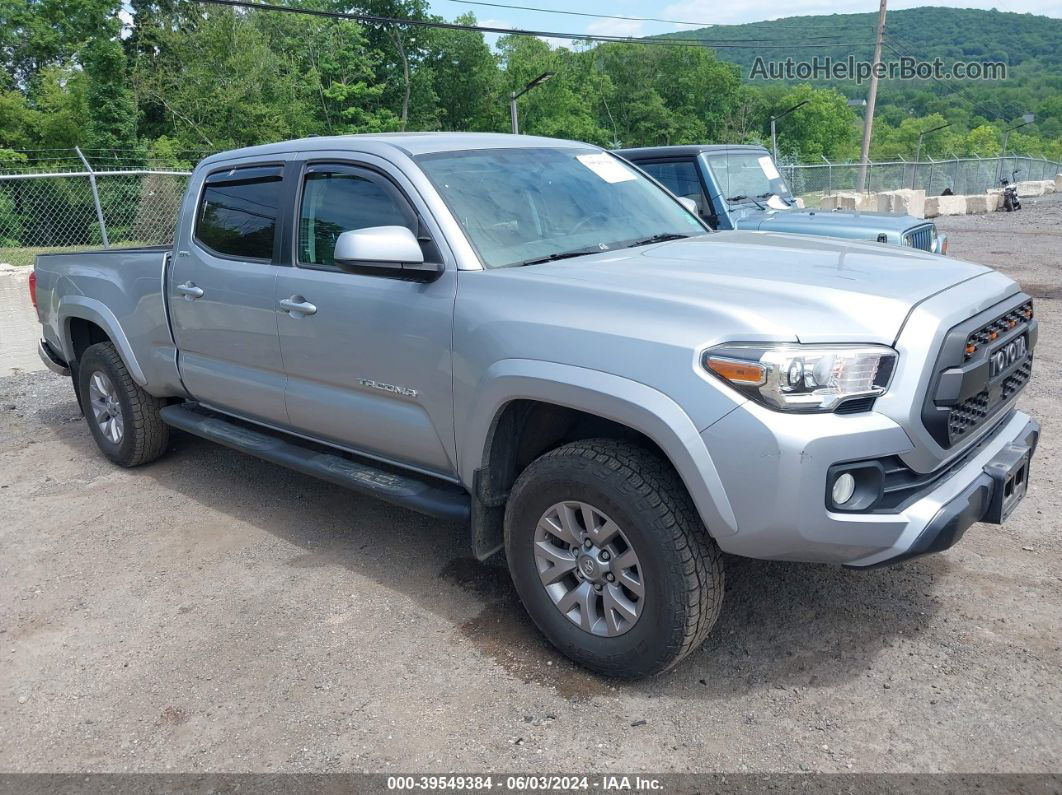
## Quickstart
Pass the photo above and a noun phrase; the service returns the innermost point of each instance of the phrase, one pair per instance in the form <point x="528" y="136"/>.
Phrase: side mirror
<point x="384" y="251"/>
<point x="688" y="203"/>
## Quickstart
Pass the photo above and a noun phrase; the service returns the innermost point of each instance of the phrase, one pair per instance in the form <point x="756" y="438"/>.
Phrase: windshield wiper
<point x="657" y="239"/>
<point x="742" y="198"/>
<point x="769" y="194"/>
<point x="560" y="255"/>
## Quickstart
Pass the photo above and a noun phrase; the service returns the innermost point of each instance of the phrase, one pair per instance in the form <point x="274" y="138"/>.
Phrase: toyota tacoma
<point x="532" y="337"/>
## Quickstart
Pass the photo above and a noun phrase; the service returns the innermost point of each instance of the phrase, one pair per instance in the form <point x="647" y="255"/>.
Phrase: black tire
<point x="1008" y="203"/>
<point x="680" y="565"/>
<point x="144" y="435"/>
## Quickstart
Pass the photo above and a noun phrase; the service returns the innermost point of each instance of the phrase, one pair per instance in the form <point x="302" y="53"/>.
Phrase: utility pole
<point x="872" y="98"/>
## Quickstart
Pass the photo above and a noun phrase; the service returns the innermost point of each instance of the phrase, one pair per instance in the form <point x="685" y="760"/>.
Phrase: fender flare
<point x="85" y="308"/>
<point x="621" y="400"/>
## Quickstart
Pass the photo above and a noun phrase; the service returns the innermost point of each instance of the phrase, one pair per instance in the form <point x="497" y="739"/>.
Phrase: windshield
<point x="747" y="176"/>
<point x="522" y="206"/>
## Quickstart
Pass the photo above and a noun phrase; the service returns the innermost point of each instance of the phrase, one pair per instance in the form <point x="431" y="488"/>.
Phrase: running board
<point x="438" y="499"/>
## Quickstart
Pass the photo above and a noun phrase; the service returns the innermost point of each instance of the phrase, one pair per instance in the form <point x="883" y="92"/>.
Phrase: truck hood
<point x="836" y="223"/>
<point x="762" y="286"/>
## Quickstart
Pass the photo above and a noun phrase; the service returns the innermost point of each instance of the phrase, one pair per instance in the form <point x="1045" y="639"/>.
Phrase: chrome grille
<point x="922" y="237"/>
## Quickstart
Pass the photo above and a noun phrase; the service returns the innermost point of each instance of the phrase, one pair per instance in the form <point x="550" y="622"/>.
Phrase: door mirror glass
<point x="383" y="244"/>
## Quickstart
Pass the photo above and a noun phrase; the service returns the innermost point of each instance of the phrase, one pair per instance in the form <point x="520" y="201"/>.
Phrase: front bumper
<point x="775" y="477"/>
<point x="51" y="359"/>
<point x="982" y="500"/>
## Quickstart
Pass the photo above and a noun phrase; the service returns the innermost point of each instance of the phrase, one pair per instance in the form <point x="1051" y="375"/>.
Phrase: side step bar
<point x="438" y="499"/>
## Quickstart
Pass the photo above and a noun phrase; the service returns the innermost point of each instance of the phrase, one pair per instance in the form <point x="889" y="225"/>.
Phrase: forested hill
<point x="134" y="82"/>
<point x="926" y="32"/>
<point x="1029" y="44"/>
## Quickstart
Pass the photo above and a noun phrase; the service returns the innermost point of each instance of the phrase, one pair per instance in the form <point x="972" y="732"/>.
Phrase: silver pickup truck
<point x="534" y="338"/>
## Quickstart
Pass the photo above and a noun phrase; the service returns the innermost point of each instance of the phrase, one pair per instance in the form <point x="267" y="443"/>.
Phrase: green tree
<point x="560" y="108"/>
<point x="983" y="141"/>
<point x="466" y="79"/>
<point x="112" y="107"/>
<point x="824" y="127"/>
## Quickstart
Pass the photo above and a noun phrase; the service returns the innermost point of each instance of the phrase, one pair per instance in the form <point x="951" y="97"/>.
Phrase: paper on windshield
<point x="776" y="203"/>
<point x="768" y="167"/>
<point x="607" y="167"/>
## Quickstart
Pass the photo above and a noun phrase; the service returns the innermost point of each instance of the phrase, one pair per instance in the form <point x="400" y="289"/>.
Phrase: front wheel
<point x="123" y="418"/>
<point x="610" y="558"/>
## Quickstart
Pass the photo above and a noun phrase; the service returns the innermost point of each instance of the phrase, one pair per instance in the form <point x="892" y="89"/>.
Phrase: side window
<point x="237" y="214"/>
<point x="680" y="178"/>
<point x="336" y="199"/>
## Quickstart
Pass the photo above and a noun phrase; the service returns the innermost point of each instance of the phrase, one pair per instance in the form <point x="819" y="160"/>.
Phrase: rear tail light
<point x="33" y="289"/>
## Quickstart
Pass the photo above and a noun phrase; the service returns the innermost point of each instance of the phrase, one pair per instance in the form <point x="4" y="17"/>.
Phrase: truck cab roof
<point x="689" y="150"/>
<point x="409" y="143"/>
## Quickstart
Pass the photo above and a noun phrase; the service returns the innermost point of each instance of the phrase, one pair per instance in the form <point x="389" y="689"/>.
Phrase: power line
<point x="612" y="16"/>
<point x="372" y="19"/>
<point x="786" y="27"/>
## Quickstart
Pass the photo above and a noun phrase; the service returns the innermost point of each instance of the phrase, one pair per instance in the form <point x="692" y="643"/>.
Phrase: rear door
<point x="367" y="356"/>
<point x="222" y="292"/>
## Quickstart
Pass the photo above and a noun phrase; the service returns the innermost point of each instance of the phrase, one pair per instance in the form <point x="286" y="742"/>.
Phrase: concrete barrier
<point x="841" y="201"/>
<point x="945" y="205"/>
<point x="1032" y="187"/>
<point x="995" y="200"/>
<point x="979" y="203"/>
<point x="853" y="202"/>
<point x="1058" y="183"/>
<point x="904" y="201"/>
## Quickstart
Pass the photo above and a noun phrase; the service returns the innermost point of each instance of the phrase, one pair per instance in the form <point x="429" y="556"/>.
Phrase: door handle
<point x="297" y="305"/>
<point x="190" y="291"/>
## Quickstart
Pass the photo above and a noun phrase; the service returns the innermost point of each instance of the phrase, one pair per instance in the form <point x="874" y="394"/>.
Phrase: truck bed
<point x="120" y="290"/>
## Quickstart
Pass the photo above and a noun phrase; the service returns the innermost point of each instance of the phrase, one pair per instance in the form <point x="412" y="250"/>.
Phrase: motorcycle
<point x="1011" y="202"/>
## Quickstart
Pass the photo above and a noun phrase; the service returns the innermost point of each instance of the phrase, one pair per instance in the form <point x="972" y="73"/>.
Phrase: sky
<point x="700" y="12"/>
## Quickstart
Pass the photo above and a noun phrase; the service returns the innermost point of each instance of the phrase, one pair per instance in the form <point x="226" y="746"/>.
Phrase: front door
<point x="367" y="357"/>
<point x="222" y="295"/>
<point x="681" y="178"/>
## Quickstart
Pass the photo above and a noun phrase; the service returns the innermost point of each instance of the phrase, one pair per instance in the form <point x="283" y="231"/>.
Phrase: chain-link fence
<point x="42" y="212"/>
<point x="959" y="175"/>
<point x="52" y="211"/>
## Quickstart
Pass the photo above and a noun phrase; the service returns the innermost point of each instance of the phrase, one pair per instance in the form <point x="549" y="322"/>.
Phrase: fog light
<point x="843" y="489"/>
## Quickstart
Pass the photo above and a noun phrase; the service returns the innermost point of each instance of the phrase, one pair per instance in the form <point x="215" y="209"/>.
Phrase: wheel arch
<point x="520" y="400"/>
<point x="84" y="321"/>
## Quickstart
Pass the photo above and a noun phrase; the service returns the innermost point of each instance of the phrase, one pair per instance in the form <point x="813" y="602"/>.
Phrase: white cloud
<point x="615" y="27"/>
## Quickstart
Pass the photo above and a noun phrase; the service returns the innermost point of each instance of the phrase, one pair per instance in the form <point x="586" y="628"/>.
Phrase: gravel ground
<point x="214" y="613"/>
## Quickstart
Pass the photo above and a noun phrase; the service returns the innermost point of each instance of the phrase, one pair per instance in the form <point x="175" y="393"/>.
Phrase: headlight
<point x="794" y="377"/>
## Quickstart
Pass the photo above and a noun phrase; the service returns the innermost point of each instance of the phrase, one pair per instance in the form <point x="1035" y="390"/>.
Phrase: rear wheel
<point x="123" y="418"/>
<point x="610" y="558"/>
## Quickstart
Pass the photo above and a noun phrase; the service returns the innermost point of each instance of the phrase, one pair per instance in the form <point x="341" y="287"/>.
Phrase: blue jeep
<point x="740" y="187"/>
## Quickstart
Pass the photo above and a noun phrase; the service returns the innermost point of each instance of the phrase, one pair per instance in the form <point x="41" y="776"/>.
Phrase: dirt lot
<point x="211" y="612"/>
